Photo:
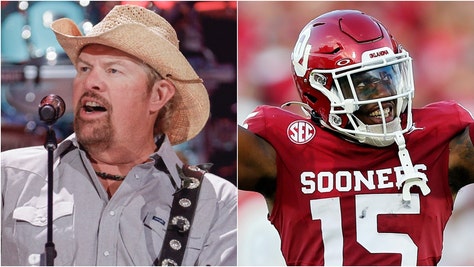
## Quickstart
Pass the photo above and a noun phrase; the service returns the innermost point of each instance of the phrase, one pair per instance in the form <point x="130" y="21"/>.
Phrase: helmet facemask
<point x="369" y="96"/>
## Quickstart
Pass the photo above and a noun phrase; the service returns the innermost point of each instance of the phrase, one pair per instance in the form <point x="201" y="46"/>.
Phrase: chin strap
<point x="410" y="176"/>
<point x="304" y="107"/>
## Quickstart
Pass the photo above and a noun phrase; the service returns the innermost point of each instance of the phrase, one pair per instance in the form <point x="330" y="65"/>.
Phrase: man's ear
<point x="161" y="92"/>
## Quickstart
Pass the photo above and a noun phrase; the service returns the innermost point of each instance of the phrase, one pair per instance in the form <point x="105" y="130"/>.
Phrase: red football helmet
<point x="342" y="51"/>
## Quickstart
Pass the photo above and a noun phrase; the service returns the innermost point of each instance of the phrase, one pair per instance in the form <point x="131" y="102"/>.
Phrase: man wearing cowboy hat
<point x="121" y="194"/>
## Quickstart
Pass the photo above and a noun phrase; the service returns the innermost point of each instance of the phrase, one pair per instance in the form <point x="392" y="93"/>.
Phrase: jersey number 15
<point x="368" y="206"/>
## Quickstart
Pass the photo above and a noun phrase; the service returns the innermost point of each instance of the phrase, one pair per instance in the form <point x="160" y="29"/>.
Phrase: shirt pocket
<point x="156" y="222"/>
<point x="30" y="230"/>
<point x="156" y="225"/>
<point x="38" y="216"/>
<point x="152" y="237"/>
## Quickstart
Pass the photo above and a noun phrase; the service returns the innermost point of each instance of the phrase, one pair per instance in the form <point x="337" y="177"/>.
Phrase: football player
<point x="360" y="178"/>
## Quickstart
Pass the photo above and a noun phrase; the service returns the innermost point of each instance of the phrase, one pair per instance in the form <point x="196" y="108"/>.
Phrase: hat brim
<point x="191" y="110"/>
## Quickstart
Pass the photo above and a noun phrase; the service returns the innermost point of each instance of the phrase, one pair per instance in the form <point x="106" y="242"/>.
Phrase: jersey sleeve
<point x="449" y="117"/>
<point x="256" y="121"/>
<point x="467" y="117"/>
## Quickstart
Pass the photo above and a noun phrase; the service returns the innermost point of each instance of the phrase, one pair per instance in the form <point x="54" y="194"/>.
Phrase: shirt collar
<point x="168" y="156"/>
<point x="165" y="154"/>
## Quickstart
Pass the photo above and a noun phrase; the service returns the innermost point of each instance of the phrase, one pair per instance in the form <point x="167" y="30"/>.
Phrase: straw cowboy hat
<point x="149" y="37"/>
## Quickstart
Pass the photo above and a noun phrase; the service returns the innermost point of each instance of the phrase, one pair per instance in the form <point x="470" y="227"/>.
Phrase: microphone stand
<point x="51" y="108"/>
<point x="49" y="250"/>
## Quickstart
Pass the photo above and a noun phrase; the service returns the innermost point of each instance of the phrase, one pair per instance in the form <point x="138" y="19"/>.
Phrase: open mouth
<point x="92" y="106"/>
<point x="378" y="113"/>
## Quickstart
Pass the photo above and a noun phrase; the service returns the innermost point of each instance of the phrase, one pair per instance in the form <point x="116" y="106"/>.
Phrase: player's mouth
<point x="377" y="115"/>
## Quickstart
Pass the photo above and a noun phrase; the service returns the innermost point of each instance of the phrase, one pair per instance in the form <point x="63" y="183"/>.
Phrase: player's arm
<point x="256" y="162"/>
<point x="461" y="160"/>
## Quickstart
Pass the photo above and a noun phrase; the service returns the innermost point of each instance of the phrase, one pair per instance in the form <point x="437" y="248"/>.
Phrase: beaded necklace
<point x="111" y="176"/>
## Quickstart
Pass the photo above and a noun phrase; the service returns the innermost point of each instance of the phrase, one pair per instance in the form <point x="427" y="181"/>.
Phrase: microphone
<point x="51" y="108"/>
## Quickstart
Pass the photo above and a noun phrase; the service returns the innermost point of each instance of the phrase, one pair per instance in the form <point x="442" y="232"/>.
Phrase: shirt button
<point x="106" y="253"/>
<point x="34" y="259"/>
<point x="137" y="176"/>
<point x="112" y="213"/>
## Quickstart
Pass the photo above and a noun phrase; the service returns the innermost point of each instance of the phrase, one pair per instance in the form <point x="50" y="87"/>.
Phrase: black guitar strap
<point x="181" y="215"/>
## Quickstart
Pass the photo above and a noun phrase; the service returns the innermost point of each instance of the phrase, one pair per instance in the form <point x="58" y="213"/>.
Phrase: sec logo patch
<point x="301" y="132"/>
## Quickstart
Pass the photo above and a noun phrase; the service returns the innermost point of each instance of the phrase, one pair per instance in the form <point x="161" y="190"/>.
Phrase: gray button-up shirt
<point x="91" y="229"/>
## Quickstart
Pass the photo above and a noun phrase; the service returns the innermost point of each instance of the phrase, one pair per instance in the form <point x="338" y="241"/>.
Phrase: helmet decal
<point x="343" y="62"/>
<point x="301" y="53"/>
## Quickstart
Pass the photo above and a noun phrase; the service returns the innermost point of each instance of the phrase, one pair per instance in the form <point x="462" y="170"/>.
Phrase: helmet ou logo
<point x="301" y="52"/>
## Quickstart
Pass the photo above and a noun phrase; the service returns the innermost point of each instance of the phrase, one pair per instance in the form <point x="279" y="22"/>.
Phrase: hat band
<point x="198" y="80"/>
